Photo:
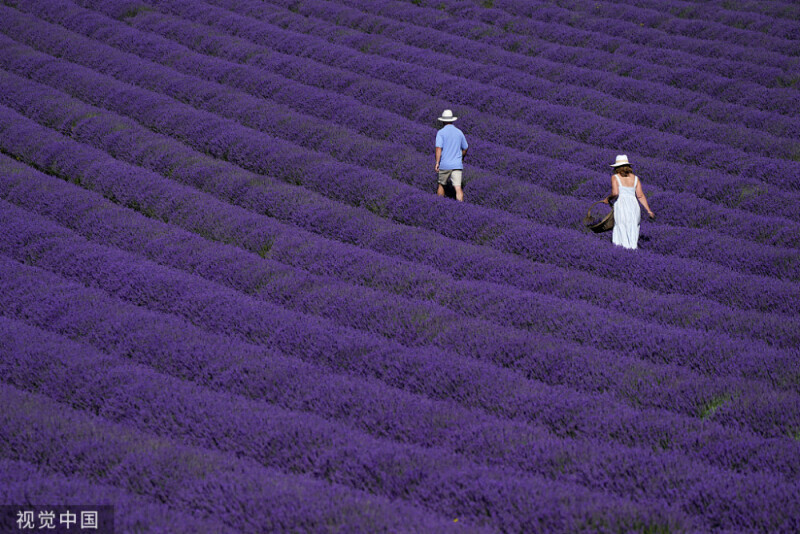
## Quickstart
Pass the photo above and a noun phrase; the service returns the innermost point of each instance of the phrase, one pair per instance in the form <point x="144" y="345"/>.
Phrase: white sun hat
<point x="447" y="116"/>
<point x="622" y="159"/>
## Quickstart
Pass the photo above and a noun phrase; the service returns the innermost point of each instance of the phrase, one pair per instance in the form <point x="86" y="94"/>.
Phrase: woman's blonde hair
<point x="624" y="170"/>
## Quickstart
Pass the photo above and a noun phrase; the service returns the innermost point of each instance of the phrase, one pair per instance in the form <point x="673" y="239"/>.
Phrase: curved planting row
<point x="269" y="155"/>
<point x="651" y="439"/>
<point x="607" y="52"/>
<point x="772" y="8"/>
<point x="495" y="114"/>
<point x="706" y="133"/>
<point x="582" y="76"/>
<point x="582" y="58"/>
<point x="26" y="485"/>
<point x="707" y="246"/>
<point x="258" y="320"/>
<point x="743" y="192"/>
<point x="309" y="444"/>
<point x="763" y="22"/>
<point x="302" y="443"/>
<point x="512" y="196"/>
<point x="406" y="43"/>
<point x="677" y="209"/>
<point x="223" y="222"/>
<point x="227" y="489"/>
<point x="620" y="54"/>
<point x="654" y="21"/>
<point x="561" y="25"/>
<point x="356" y="352"/>
<point x="326" y="342"/>
<point x="496" y="48"/>
<point x="436" y="479"/>
<point x="416" y="323"/>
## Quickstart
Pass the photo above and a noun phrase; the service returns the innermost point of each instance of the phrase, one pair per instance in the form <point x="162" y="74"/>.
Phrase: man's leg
<point x="443" y="176"/>
<point x="456" y="177"/>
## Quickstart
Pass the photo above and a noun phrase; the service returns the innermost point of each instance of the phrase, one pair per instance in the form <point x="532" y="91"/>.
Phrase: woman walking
<point x="626" y="188"/>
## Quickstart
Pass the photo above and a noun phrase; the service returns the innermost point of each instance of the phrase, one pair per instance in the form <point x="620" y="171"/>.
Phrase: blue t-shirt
<point x="452" y="141"/>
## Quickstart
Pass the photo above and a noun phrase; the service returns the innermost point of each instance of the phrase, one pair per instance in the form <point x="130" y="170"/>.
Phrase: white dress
<point x="627" y="216"/>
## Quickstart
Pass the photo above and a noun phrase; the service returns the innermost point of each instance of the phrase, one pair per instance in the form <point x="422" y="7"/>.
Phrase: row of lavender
<point x="460" y="48"/>
<point x="125" y="140"/>
<point x="521" y="199"/>
<point x="653" y="16"/>
<point x="416" y="323"/>
<point x="490" y="228"/>
<point x="560" y="24"/>
<point x="621" y="62"/>
<point x="28" y="485"/>
<point x="289" y="441"/>
<point x="494" y="115"/>
<point x="134" y="335"/>
<point x="778" y="9"/>
<point x="624" y="88"/>
<point x="563" y="322"/>
<point x="115" y="138"/>
<point x="710" y="247"/>
<point x="559" y="469"/>
<point x="227" y="493"/>
<point x="464" y="58"/>
<point x="774" y="17"/>
<point x="109" y="137"/>
<point x="78" y="311"/>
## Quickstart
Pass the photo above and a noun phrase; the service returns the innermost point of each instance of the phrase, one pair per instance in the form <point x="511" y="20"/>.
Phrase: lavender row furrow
<point x="706" y="11"/>
<point x="496" y="114"/>
<point x="219" y="486"/>
<point x="456" y="59"/>
<point x="583" y="426"/>
<point x="590" y="59"/>
<point x="255" y="319"/>
<point x="599" y="53"/>
<point x="26" y="485"/>
<point x="433" y="478"/>
<point x="570" y="26"/>
<point x="774" y="9"/>
<point x="680" y="209"/>
<point x="479" y="26"/>
<point x="304" y="443"/>
<point x="416" y="323"/>
<point x="219" y="221"/>
<point x="380" y="28"/>
<point x="512" y="196"/>
<point x="582" y="76"/>
<point x="737" y="255"/>
<point x="402" y="204"/>
<point x="655" y="22"/>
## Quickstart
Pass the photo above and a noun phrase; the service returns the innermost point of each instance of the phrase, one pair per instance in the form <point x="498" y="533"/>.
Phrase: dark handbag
<point x="603" y="225"/>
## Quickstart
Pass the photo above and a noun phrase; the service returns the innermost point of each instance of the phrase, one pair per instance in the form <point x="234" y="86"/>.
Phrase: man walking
<point x="451" y="147"/>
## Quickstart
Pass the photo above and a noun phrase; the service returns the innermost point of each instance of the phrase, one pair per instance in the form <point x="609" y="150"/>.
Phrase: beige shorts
<point x="454" y="175"/>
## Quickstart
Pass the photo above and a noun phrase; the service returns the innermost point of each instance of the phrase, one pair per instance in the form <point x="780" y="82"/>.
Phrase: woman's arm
<point x="643" y="199"/>
<point x="614" y="191"/>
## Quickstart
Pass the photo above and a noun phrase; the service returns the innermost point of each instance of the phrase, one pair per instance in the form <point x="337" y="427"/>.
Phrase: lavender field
<point x="231" y="300"/>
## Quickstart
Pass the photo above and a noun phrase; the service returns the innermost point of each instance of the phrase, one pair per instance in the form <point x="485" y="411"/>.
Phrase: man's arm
<point x="438" y="157"/>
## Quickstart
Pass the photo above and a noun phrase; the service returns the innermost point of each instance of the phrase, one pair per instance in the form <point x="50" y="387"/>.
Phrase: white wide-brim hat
<point x="622" y="159"/>
<point x="447" y="116"/>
